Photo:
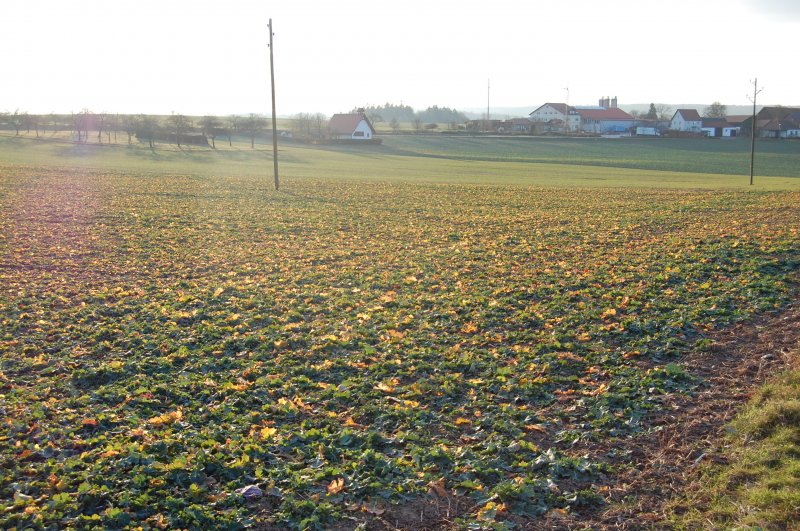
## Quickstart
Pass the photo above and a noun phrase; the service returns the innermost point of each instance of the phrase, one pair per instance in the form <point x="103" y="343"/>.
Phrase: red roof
<point x="690" y="115"/>
<point x="604" y="114"/>
<point x="345" y="124"/>
<point x="737" y="118"/>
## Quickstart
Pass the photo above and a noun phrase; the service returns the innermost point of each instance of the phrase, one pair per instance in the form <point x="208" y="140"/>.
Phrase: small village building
<point x="777" y="122"/>
<point x="715" y="127"/>
<point x="484" y="126"/>
<point x="555" y="118"/>
<point x="604" y="121"/>
<point x="686" y="121"/>
<point x="735" y="124"/>
<point x="606" y="118"/>
<point x="516" y="125"/>
<point x="351" y="126"/>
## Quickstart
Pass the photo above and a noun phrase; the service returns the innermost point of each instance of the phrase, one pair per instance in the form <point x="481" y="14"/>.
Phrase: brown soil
<point x="659" y="466"/>
<point x="692" y="428"/>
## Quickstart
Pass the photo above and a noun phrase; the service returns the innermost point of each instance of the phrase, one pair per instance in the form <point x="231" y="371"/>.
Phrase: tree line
<point x="100" y="127"/>
<point x="429" y="118"/>
<point x="665" y="112"/>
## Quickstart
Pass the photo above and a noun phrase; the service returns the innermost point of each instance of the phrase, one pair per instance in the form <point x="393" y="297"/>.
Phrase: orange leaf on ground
<point x="336" y="486"/>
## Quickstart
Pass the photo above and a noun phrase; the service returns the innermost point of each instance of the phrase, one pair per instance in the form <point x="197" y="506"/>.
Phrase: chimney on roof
<point x="614" y="102"/>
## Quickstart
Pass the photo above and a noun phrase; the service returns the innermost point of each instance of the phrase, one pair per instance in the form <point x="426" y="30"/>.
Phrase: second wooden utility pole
<point x="274" y="124"/>
<point x="753" y="130"/>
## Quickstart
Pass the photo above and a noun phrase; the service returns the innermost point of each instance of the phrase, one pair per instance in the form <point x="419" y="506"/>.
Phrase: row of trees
<point x="655" y="112"/>
<point x="175" y="128"/>
<point x="23" y="121"/>
<point x="664" y="112"/>
<point x="395" y="114"/>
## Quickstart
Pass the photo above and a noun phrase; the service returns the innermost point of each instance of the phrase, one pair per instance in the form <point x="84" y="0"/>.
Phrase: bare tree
<point x="233" y="126"/>
<point x="18" y="120"/>
<point x="664" y="111"/>
<point x="113" y="121"/>
<point x="147" y="128"/>
<point x="716" y="110"/>
<point x="33" y="121"/>
<point x="76" y="124"/>
<point x="211" y="126"/>
<point x="319" y="121"/>
<point x="101" y="121"/>
<point x="129" y="124"/>
<point x="253" y="124"/>
<point x="179" y="124"/>
<point x="301" y="125"/>
<point x="374" y="117"/>
<point x="86" y="120"/>
<point x="417" y="122"/>
<point x="395" y="125"/>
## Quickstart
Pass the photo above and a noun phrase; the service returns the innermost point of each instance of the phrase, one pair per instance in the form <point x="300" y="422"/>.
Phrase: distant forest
<point x="389" y="112"/>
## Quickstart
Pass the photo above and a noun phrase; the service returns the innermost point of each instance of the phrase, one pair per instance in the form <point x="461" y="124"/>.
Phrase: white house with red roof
<point x="351" y="126"/>
<point x="686" y="120"/>
<point x="604" y="119"/>
<point x="552" y="117"/>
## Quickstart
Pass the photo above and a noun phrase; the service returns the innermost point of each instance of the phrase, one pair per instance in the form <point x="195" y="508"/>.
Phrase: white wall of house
<point x="574" y="122"/>
<point x="548" y="112"/>
<point x="362" y="131"/>
<point x="545" y="113"/>
<point x="606" y="126"/>
<point x="731" y="131"/>
<point x="679" y="124"/>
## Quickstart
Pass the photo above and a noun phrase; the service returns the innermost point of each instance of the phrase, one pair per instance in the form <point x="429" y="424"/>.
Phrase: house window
<point x="358" y="133"/>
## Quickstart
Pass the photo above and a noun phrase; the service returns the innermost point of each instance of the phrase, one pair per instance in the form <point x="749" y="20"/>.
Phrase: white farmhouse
<point x="552" y="117"/>
<point x="352" y="126"/>
<point x="686" y="120"/>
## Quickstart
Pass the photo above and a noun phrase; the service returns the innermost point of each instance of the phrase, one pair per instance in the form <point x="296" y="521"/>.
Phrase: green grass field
<point x="584" y="163"/>
<point x="394" y="325"/>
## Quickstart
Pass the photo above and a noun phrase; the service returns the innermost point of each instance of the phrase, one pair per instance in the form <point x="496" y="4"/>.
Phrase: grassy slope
<point x="760" y="486"/>
<point x="570" y="163"/>
<point x="713" y="156"/>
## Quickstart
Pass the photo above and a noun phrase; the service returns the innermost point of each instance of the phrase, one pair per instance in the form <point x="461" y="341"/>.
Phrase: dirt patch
<point x="690" y="428"/>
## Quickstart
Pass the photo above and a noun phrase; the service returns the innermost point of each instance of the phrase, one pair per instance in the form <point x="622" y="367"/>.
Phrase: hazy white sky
<point x="211" y="57"/>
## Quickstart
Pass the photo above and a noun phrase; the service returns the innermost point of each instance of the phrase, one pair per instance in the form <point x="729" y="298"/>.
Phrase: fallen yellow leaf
<point x="336" y="486"/>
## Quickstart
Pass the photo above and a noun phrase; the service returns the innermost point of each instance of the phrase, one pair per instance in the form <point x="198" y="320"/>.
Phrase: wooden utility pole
<point x="274" y="124"/>
<point x="753" y="129"/>
<point x="488" y="115"/>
